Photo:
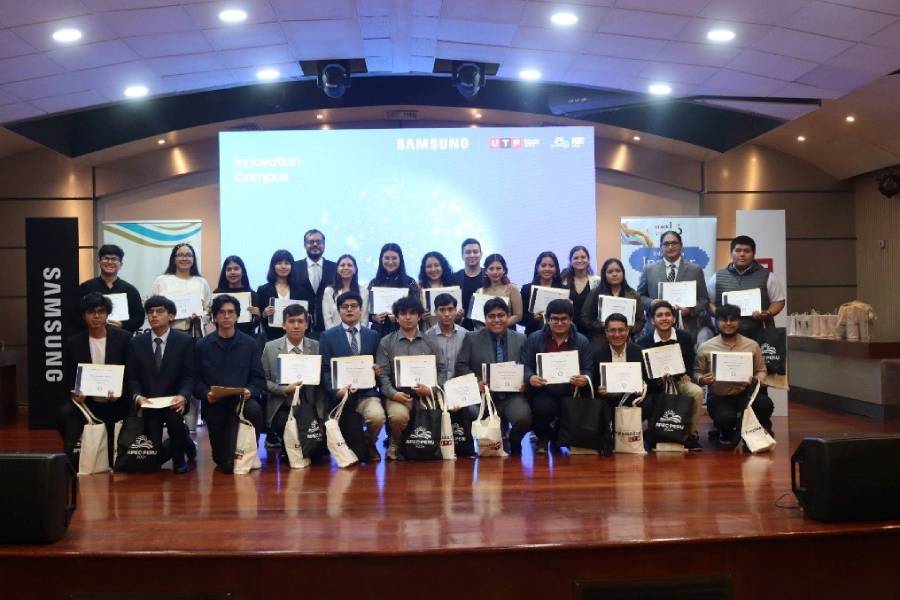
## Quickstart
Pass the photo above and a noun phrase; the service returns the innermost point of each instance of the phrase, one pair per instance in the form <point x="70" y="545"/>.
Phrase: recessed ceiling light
<point x="160" y="141"/>
<point x="233" y="15"/>
<point x="473" y="126"/>
<point x="660" y="89"/>
<point x="850" y="118"/>
<point x="477" y="115"/>
<point x="66" y="35"/>
<point x="636" y="138"/>
<point x="268" y="74"/>
<point x="136" y="91"/>
<point x="801" y="138"/>
<point x="325" y="126"/>
<point x="320" y="116"/>
<point x="529" y="74"/>
<point x="720" y="35"/>
<point x="564" y="19"/>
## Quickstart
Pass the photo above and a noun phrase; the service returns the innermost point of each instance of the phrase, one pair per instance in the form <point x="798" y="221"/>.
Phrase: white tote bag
<point x="755" y="437"/>
<point x="343" y="455"/>
<point x="92" y="456"/>
<point x="486" y="429"/>
<point x="246" y="456"/>
<point x="629" y="427"/>
<point x="291" y="437"/>
<point x="448" y="447"/>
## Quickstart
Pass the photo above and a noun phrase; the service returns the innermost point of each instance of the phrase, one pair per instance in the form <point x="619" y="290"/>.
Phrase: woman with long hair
<point x="497" y="283"/>
<point x="435" y="272"/>
<point x="183" y="276"/>
<point x="280" y="285"/>
<point x="346" y="279"/>
<point x="546" y="274"/>
<point x="391" y="273"/>
<point x="580" y="279"/>
<point x="612" y="283"/>
<point x="233" y="279"/>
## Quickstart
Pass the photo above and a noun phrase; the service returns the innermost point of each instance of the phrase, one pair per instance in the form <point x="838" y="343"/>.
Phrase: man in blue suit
<point x="350" y="338"/>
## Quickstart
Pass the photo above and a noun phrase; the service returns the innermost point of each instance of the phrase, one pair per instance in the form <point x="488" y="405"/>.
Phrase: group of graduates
<point x="186" y="357"/>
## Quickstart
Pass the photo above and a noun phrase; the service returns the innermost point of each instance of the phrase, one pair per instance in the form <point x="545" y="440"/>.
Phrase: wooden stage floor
<point x="533" y="524"/>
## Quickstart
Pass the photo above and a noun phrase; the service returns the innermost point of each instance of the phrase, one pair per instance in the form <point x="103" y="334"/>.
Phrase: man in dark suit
<point x="161" y="364"/>
<point x="674" y="267"/>
<point x="350" y="338"/>
<point x="100" y="343"/>
<point x="493" y="344"/>
<point x="312" y="275"/>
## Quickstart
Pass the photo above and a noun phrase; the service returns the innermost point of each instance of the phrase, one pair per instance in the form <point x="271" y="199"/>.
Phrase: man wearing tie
<point x="673" y="267"/>
<point x="161" y="363"/>
<point x="312" y="275"/>
<point x="349" y="338"/>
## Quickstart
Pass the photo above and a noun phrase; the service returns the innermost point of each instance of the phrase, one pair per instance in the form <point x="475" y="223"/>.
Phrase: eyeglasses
<point x="671" y="244"/>
<point x="180" y="255"/>
<point x="353" y="306"/>
<point x="560" y="320"/>
<point x="112" y="259"/>
<point x="495" y="316"/>
<point x="314" y="242"/>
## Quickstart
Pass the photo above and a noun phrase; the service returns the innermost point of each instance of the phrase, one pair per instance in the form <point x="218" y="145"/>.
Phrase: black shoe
<point x="726" y="441"/>
<point x="272" y="441"/>
<point x="180" y="469"/>
<point x="692" y="443"/>
<point x="191" y="451"/>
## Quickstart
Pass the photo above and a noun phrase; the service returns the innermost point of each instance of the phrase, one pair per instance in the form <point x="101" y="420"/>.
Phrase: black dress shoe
<point x="191" y="451"/>
<point x="180" y="469"/>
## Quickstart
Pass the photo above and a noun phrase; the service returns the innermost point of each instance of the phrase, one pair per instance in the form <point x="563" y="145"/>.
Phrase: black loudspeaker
<point x="848" y="478"/>
<point x="37" y="497"/>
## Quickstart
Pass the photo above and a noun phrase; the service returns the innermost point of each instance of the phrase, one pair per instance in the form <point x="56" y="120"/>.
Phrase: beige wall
<point x="877" y="267"/>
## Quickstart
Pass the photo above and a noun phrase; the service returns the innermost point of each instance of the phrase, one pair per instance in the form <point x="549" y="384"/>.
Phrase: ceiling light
<point x="477" y="115"/>
<point x="720" y="35"/>
<point x="473" y="126"/>
<point x="160" y="141"/>
<point x="850" y="118"/>
<point x="660" y="89"/>
<point x="801" y="138"/>
<point x="325" y="126"/>
<point x="136" y="91"/>
<point x="66" y="35"/>
<point x="636" y="138"/>
<point x="233" y="15"/>
<point x="529" y="74"/>
<point x="320" y="116"/>
<point x="564" y="19"/>
<point x="268" y="74"/>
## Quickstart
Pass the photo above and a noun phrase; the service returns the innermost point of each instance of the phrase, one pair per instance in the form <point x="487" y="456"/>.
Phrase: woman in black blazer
<point x="391" y="273"/>
<point x="546" y="274"/>
<point x="233" y="279"/>
<point x="280" y="285"/>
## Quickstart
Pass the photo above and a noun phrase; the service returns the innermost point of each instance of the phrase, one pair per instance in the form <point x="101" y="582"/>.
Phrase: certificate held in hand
<point x="542" y="296"/>
<point x="187" y="304"/>
<point x="557" y="367"/>
<point x="244" y="303"/>
<point x="607" y="305"/>
<point x="732" y="366"/>
<point x="410" y="371"/>
<point x="99" y="380"/>
<point x="680" y="294"/>
<point x="276" y="319"/>
<point x="749" y="301"/>
<point x="476" y="305"/>
<point x="160" y="402"/>
<point x="504" y="377"/>
<point x="664" y="360"/>
<point x="355" y="371"/>
<point x="381" y="299"/>
<point x="462" y="391"/>
<point x="291" y="368"/>
<point x="120" y="307"/>
<point x="429" y="294"/>
<point x="622" y="378"/>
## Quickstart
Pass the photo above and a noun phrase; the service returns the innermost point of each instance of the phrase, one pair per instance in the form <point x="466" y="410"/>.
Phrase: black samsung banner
<point x="51" y="276"/>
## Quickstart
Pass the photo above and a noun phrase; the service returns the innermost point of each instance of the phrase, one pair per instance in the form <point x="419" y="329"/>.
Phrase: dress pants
<point x="724" y="411"/>
<point x="515" y="415"/>
<point x="373" y="414"/>
<point x="688" y="388"/>
<point x="154" y="419"/>
<point x="545" y="412"/>
<point x="70" y="422"/>
<point x="221" y="419"/>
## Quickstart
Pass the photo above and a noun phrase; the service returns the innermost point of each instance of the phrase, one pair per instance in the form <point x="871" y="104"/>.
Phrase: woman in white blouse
<point x="183" y="277"/>
<point x="346" y="279"/>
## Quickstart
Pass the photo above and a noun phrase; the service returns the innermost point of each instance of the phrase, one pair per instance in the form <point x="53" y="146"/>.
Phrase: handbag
<point x="487" y="428"/>
<point x="246" y="455"/>
<point x="90" y="450"/>
<point x="755" y="437"/>
<point x="343" y="455"/>
<point x="291" y="438"/>
<point x="583" y="423"/>
<point x="773" y="345"/>
<point x="629" y="429"/>
<point x="310" y="428"/>
<point x="352" y="424"/>
<point x="671" y="416"/>
<point x="448" y="449"/>
<point x="420" y="439"/>
<point x="136" y="452"/>
<point x="463" y="443"/>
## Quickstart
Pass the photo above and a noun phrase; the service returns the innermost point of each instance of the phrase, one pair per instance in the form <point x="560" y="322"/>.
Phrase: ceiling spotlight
<point x="660" y="89"/>
<point x="136" y="91"/>
<point x="233" y="15"/>
<point x="564" y="19"/>
<point x="267" y="74"/>
<point x="333" y="77"/>
<point x="801" y="138"/>
<point x="529" y="74"/>
<point x="320" y="116"/>
<point x="66" y="35"/>
<point x="720" y="35"/>
<point x="160" y="141"/>
<point x="636" y="138"/>
<point x="468" y="78"/>
<point x="850" y="118"/>
<point x="477" y="115"/>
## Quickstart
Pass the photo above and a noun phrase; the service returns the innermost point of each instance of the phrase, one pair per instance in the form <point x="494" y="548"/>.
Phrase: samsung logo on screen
<point x="432" y="143"/>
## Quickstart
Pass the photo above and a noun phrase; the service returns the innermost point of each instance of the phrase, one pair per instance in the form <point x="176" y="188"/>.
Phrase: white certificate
<point x="186" y="304"/>
<point x="476" y="305"/>
<point x="291" y="368"/>
<point x="429" y="294"/>
<point x="244" y="301"/>
<point x="160" y="402"/>
<point x="410" y="371"/>
<point x="664" y="360"/>
<point x="355" y="371"/>
<point x="120" y="307"/>
<point x="381" y="299"/>
<point x="732" y="366"/>
<point x="680" y="294"/>
<point x="749" y="301"/>
<point x="461" y="391"/>
<point x="505" y="377"/>
<point x="622" y="378"/>
<point x="607" y="305"/>
<point x="276" y="319"/>
<point x="99" y="380"/>
<point x="542" y="296"/>
<point x="557" y="367"/>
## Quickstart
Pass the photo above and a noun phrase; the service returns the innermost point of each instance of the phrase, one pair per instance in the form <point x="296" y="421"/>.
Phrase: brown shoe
<point x="374" y="455"/>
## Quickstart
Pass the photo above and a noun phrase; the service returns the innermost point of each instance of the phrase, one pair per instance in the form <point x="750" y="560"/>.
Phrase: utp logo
<point x="513" y="143"/>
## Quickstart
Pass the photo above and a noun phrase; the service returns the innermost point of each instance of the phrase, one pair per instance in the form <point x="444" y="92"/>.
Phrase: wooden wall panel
<point x="12" y="226"/>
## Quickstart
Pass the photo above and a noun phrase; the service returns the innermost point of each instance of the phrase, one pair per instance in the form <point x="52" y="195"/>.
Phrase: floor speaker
<point x="848" y="478"/>
<point x="37" y="497"/>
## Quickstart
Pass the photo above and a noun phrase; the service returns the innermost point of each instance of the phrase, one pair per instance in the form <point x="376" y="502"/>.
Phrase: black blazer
<point x="333" y="344"/>
<point x="78" y="350"/>
<point x="267" y="291"/>
<point x="300" y="276"/>
<point x="174" y="377"/>
<point x="685" y="340"/>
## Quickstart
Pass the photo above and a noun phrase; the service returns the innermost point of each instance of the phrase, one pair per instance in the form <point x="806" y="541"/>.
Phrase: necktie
<point x="157" y="354"/>
<point x="498" y="350"/>
<point x="671" y="276"/>
<point x="295" y="350"/>
<point x="315" y="276"/>
<point x="354" y="343"/>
